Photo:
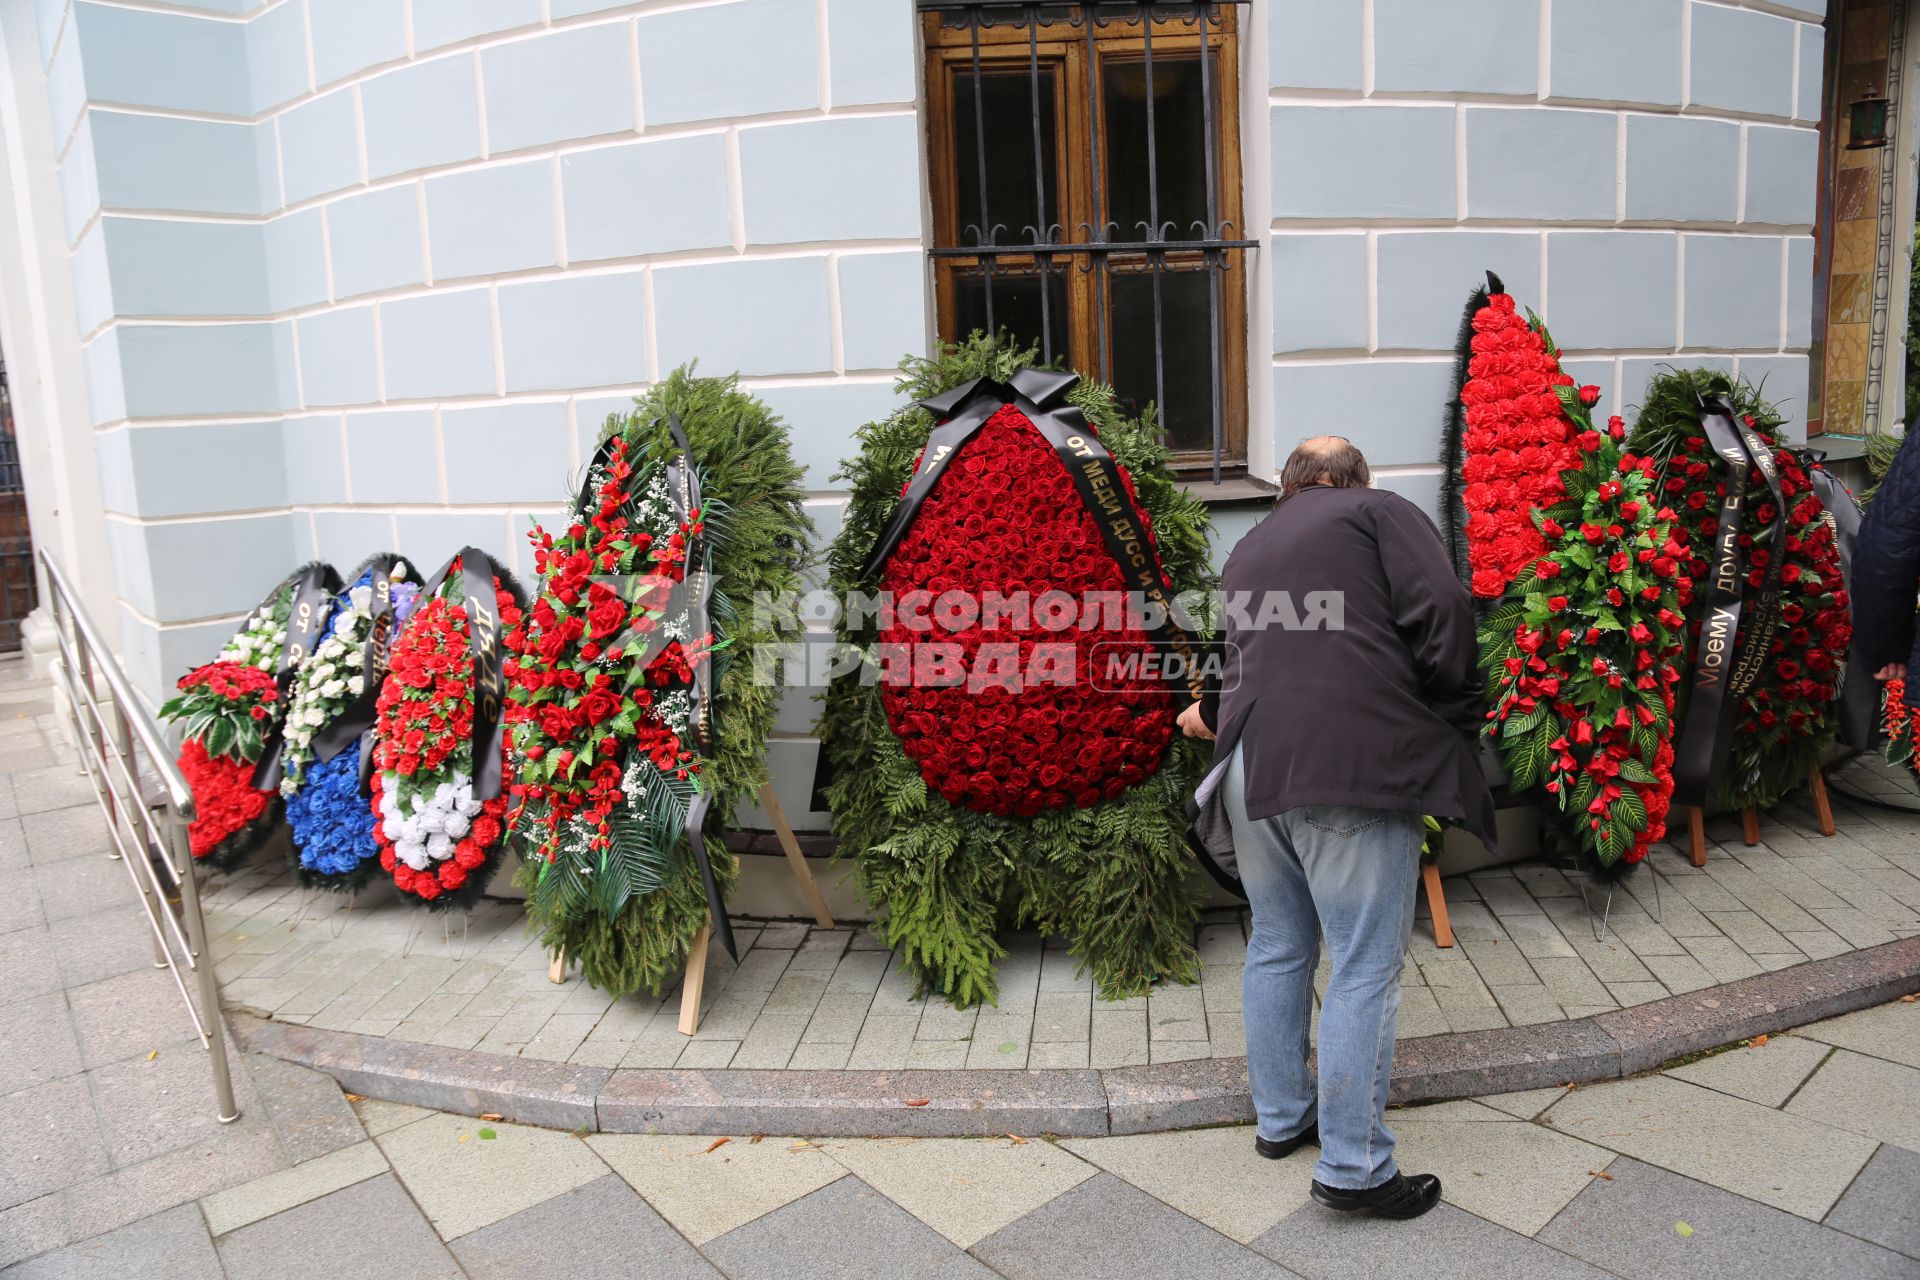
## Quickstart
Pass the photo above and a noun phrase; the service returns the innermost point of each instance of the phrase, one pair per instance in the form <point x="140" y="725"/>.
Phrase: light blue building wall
<point x="351" y="275"/>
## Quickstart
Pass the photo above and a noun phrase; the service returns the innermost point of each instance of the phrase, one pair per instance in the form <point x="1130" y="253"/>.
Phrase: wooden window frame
<point x="1062" y="47"/>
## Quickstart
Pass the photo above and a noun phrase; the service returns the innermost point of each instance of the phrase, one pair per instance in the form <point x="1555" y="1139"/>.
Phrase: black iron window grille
<point x="1085" y="170"/>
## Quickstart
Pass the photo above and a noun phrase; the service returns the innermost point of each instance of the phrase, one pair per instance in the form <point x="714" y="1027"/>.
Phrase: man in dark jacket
<point x="1348" y="703"/>
<point x="1886" y="574"/>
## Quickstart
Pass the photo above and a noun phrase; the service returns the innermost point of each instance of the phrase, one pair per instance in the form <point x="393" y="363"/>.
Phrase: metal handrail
<point x="108" y="739"/>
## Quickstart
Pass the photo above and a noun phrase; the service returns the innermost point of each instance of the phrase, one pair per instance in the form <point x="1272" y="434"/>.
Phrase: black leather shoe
<point x="1397" y="1197"/>
<point x="1286" y="1146"/>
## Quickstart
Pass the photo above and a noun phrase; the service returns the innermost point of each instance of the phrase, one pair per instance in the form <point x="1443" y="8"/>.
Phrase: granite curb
<point x="1068" y="1102"/>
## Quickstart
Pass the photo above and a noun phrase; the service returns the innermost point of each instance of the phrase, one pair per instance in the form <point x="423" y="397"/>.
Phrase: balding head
<point x="1324" y="460"/>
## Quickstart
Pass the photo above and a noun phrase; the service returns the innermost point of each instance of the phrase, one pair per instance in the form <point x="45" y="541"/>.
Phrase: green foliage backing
<point x="1111" y="879"/>
<point x="747" y="471"/>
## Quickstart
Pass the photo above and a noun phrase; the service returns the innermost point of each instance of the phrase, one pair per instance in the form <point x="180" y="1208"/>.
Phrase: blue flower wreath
<point x="332" y="819"/>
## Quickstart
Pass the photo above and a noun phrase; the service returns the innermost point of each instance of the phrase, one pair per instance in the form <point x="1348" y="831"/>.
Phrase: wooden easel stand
<point x="694" y="984"/>
<point x="1750" y="819"/>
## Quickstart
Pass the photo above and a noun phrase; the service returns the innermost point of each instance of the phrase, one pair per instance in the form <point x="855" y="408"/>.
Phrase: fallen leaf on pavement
<point x="465" y="1137"/>
<point x="1757" y="1042"/>
<point x="1018" y="1140"/>
<point x="1682" y="1230"/>
<point x="715" y="1145"/>
<point x="758" y="1137"/>
<point x="1599" y="1173"/>
<point x="354" y="1097"/>
<point x="1909" y="999"/>
<point x="491" y="1115"/>
<point x="152" y="1054"/>
<point x="488" y="1135"/>
<point x="918" y="1102"/>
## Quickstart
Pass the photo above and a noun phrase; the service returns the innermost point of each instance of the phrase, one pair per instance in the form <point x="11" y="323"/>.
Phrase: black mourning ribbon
<point x="1041" y="396"/>
<point x="683" y="485"/>
<point x="306" y="615"/>
<point x="1725" y="662"/>
<point x="358" y="716"/>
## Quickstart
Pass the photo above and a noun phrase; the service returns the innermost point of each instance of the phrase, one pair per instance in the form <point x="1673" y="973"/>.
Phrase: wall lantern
<point x="1867" y="122"/>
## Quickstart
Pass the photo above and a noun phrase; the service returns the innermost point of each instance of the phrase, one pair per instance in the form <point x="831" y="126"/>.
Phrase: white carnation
<point x="458" y="825"/>
<point x="439" y="847"/>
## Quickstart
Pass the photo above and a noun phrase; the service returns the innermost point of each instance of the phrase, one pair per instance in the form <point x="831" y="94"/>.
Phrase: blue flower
<point x="332" y="817"/>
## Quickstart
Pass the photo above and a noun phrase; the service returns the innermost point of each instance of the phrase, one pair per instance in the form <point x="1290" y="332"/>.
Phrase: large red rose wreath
<point x="1508" y="443"/>
<point x="1048" y="778"/>
<point x="439" y="840"/>
<point x="1002" y="737"/>
<point x="1784" y="723"/>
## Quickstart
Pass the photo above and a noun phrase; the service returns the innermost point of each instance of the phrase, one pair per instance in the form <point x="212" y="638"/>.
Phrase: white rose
<point x="356" y="685"/>
<point x="356" y="658"/>
<point x="399" y="571"/>
<point x="362" y="598"/>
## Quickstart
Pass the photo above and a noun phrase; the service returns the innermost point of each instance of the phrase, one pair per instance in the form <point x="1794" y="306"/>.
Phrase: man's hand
<point x="1193" y="726"/>
<point x="1892" y="671"/>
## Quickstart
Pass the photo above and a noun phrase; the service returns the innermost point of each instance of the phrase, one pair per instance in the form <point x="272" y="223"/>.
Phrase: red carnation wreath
<point x="438" y="840"/>
<point x="1004" y="738"/>
<point x="228" y="707"/>
<point x="1515" y="441"/>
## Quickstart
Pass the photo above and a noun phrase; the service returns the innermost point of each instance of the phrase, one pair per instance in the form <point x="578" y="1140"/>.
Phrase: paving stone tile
<point x="964" y="1188"/>
<point x="1724" y="959"/>
<point x="1000" y="1040"/>
<point x="167" y="1246"/>
<point x="601" y="1231"/>
<point x="1509" y="1172"/>
<point x="369" y="1229"/>
<point x="884" y="1042"/>
<point x="1211" y="1175"/>
<point x="938" y="1055"/>
<point x="1526" y="1005"/>
<point x="1628" y="994"/>
<point x="1857" y="927"/>
<point x="13" y="842"/>
<point x="1173" y="1014"/>
<point x="1538" y="935"/>
<point x="771" y="1041"/>
<point x="1767" y="1075"/>
<point x="463" y="1181"/>
<point x="55" y="787"/>
<point x="263" y="1197"/>
<point x="308" y="1111"/>
<point x="1782" y="1160"/>
<point x="151" y="1105"/>
<point x="1818" y="945"/>
<point x="1179" y="1050"/>
<point x="819" y="1057"/>
<point x="1119" y="1038"/>
<point x="858" y="973"/>
<point x="940" y="1020"/>
<point x="821" y="952"/>
<point x="707" y="1054"/>
<point x="1627" y="1225"/>
<point x="1104" y="1228"/>
<point x="378" y="1117"/>
<point x="1527" y="1104"/>
<point x="775" y="937"/>
<point x="1500" y="963"/>
<point x="1436" y="1246"/>
<point x="1890" y="1031"/>
<point x="706" y="1191"/>
<point x="1420" y="1014"/>
<point x="1679" y="974"/>
<point x="1878" y="1207"/>
<point x="230" y="1155"/>
<point x="837" y="1018"/>
<point x="37" y="1040"/>
<point x="892" y="1243"/>
<point x="33" y="1228"/>
<point x="1572" y="982"/>
<point x="1058" y="1057"/>
<point x="82" y="886"/>
<point x="19" y="902"/>
<point x="1867" y="1095"/>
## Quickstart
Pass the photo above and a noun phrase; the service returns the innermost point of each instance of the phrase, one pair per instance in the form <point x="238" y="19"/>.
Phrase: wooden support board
<point x="695" y="982"/>
<point x="1750" y="826"/>
<point x="1436" y="902"/>
<point x="1822" y="807"/>
<point x="1697" y="835"/>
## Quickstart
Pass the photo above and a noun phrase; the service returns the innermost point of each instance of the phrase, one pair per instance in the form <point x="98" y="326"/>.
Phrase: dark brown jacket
<point x="1371" y="697"/>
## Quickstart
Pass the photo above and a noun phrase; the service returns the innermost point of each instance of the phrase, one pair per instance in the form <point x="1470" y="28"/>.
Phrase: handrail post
<point x="123" y="745"/>
<point x="202" y="962"/>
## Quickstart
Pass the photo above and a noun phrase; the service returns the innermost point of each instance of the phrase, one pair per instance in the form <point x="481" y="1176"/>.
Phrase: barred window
<point x="1086" y="197"/>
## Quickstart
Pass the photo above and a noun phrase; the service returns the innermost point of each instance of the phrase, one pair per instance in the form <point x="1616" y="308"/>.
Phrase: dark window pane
<point x="1016" y="306"/>
<point x="1180" y="141"/>
<point x="1186" y="338"/>
<point x="1006" y="105"/>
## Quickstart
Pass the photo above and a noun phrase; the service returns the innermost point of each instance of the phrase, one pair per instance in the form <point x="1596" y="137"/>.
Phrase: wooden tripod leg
<point x="557" y="971"/>
<point x="1436" y="903"/>
<point x="1750" y="825"/>
<point x="1697" y="835"/>
<point x="796" y="861"/>
<point x="695" y="983"/>
<point x="1822" y="807"/>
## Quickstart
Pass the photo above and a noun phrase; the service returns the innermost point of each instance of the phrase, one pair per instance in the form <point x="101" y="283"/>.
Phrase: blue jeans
<point x="1350" y="875"/>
